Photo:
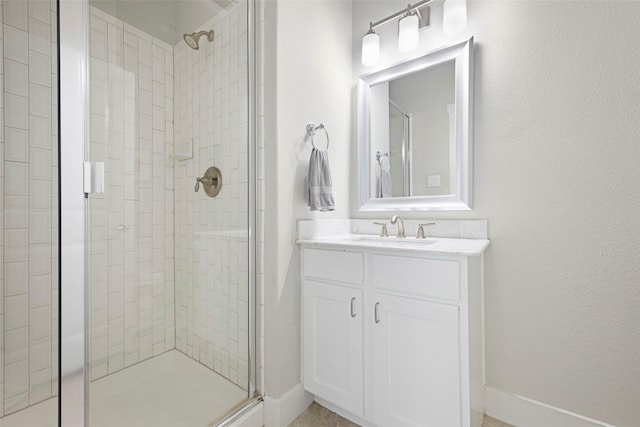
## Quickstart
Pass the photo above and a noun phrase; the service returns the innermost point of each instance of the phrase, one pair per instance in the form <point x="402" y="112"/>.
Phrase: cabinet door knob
<point x="353" y="308"/>
<point x="376" y="313"/>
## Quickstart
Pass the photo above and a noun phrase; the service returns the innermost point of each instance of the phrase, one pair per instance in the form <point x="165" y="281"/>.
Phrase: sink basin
<point x="393" y="240"/>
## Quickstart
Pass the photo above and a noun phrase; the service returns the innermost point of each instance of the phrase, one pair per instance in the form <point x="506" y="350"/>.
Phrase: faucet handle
<point x="420" y="233"/>
<point x="383" y="232"/>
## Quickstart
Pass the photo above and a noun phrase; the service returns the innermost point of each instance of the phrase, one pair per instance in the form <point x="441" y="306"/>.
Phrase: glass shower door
<point x="29" y="284"/>
<point x="168" y="266"/>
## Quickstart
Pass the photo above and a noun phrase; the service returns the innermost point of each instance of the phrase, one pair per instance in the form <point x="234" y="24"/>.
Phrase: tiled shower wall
<point x="211" y="233"/>
<point x="132" y="238"/>
<point x="132" y="260"/>
<point x="29" y="199"/>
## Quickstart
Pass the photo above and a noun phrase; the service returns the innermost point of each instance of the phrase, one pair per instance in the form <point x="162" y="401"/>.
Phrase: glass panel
<point x="29" y="197"/>
<point x="399" y="153"/>
<point x="169" y="286"/>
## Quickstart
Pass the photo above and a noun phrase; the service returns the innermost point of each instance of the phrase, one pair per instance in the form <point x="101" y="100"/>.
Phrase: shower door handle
<point x="93" y="177"/>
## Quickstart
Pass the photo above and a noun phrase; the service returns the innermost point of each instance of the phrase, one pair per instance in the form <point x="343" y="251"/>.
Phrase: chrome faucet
<point x="397" y="219"/>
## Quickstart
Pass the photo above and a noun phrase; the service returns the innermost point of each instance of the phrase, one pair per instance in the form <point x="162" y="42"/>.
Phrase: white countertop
<point x="436" y="245"/>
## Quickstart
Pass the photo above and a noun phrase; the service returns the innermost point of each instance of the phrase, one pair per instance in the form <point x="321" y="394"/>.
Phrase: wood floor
<point x="318" y="416"/>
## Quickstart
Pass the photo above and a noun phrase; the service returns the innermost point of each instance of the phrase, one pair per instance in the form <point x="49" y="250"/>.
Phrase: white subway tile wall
<point x="131" y="224"/>
<point x="29" y="204"/>
<point x="212" y="282"/>
<point x="135" y="121"/>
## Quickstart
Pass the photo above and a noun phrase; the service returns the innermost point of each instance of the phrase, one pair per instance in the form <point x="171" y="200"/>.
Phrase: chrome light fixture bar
<point x="412" y="19"/>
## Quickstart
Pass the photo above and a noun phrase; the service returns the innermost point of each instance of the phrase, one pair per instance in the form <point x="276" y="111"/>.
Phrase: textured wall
<point x="212" y="286"/>
<point x="28" y="193"/>
<point x="306" y="78"/>
<point x="557" y="173"/>
<point x="131" y="229"/>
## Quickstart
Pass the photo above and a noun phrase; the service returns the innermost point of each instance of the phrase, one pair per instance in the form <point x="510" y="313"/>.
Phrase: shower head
<point x="192" y="39"/>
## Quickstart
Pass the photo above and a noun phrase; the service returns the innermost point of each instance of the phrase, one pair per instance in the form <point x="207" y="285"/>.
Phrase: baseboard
<point x="524" y="412"/>
<point x="281" y="411"/>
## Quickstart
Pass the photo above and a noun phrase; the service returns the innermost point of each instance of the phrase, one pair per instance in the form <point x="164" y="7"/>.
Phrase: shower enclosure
<point x="116" y="273"/>
<point x="400" y="150"/>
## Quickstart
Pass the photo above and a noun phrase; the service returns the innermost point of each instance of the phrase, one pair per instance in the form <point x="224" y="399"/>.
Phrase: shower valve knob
<point x="205" y="180"/>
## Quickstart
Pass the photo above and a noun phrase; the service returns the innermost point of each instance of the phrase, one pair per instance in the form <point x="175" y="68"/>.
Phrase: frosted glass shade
<point x="454" y="17"/>
<point x="370" y="49"/>
<point x="408" y="37"/>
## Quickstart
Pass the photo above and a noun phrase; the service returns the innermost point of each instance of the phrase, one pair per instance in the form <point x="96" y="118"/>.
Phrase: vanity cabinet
<point x="415" y="377"/>
<point x="333" y="344"/>
<point x="393" y="339"/>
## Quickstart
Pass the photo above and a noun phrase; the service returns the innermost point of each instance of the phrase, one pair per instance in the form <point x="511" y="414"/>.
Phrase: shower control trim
<point x="211" y="182"/>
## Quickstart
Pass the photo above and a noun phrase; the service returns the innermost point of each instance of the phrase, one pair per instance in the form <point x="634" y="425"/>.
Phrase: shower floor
<point x="43" y="414"/>
<point x="169" y="390"/>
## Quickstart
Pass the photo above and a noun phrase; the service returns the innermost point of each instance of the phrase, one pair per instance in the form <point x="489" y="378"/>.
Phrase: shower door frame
<point x="73" y="54"/>
<point x="73" y="121"/>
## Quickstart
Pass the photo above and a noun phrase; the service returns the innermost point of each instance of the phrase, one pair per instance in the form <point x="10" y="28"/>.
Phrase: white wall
<point x="307" y="78"/>
<point x="557" y="173"/>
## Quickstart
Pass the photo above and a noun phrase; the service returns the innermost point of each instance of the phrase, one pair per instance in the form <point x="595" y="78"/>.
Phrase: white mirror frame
<point x="461" y="199"/>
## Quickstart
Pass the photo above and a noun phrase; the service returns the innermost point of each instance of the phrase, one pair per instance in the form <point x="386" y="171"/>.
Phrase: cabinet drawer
<point x="426" y="277"/>
<point x="339" y="266"/>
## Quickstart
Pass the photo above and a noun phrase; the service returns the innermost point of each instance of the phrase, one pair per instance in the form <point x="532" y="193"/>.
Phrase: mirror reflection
<point x="413" y="133"/>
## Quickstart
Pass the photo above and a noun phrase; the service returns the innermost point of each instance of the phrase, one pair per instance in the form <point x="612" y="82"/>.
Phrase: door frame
<point x="73" y="132"/>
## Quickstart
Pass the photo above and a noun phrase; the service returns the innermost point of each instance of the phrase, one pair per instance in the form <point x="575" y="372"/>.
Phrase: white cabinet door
<point x="416" y="363"/>
<point x="333" y="344"/>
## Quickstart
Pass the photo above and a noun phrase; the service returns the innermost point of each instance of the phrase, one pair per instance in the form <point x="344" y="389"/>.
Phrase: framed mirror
<point x="415" y="133"/>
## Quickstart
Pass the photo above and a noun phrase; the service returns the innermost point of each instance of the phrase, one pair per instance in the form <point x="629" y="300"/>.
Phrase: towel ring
<point x="311" y="130"/>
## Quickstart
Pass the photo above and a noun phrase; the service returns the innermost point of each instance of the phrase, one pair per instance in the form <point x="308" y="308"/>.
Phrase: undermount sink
<point x="392" y="240"/>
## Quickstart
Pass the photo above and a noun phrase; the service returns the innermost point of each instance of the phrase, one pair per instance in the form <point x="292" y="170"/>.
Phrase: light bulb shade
<point x="408" y="36"/>
<point x="454" y="16"/>
<point x="370" y="49"/>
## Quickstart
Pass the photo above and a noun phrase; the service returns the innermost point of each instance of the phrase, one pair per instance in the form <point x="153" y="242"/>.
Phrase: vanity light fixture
<point x="370" y="47"/>
<point x="454" y="17"/>
<point x="412" y="19"/>
<point x="408" y="37"/>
